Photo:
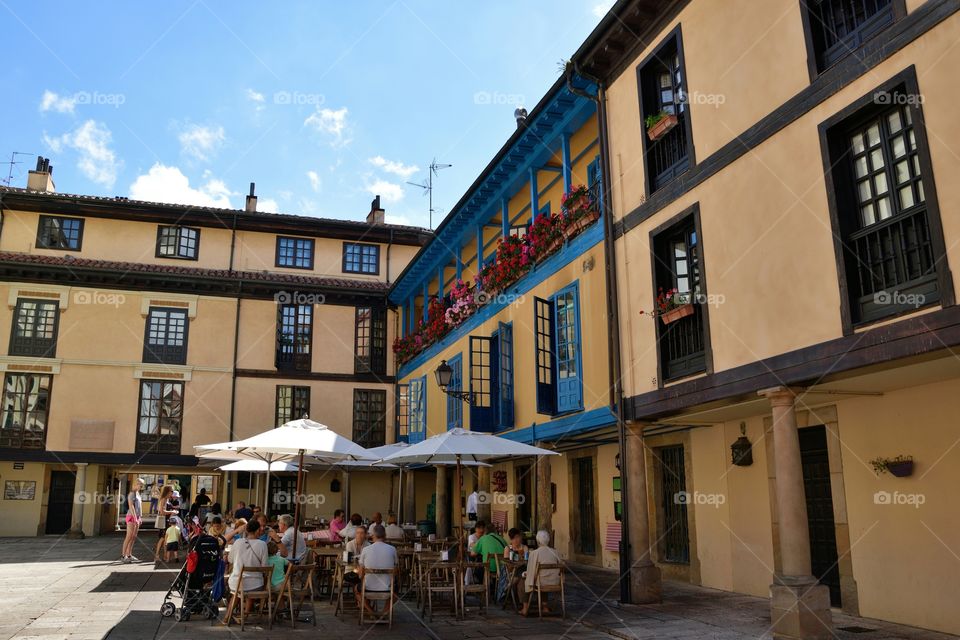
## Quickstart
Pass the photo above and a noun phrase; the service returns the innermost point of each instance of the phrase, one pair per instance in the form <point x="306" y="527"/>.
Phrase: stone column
<point x="644" y="575"/>
<point x="484" y="495"/>
<point x="410" y="496"/>
<point x="544" y="515"/>
<point x="79" y="500"/>
<point x="799" y="606"/>
<point x="443" y="508"/>
<point x="345" y="489"/>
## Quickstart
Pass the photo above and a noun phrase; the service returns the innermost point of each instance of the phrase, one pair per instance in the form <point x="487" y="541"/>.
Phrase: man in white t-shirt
<point x="287" y="537"/>
<point x="378" y="555"/>
<point x="472" y="500"/>
<point x="394" y="531"/>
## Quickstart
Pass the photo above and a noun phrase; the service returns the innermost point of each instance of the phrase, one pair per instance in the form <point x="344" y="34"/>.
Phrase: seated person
<point x="249" y="551"/>
<point x="339" y="522"/>
<point x="394" y="531"/>
<point x="478" y="530"/>
<point x="265" y="531"/>
<point x="543" y="554"/>
<point x="516" y="544"/>
<point x="242" y="511"/>
<point x="285" y="539"/>
<point x="347" y="532"/>
<point x="488" y="545"/>
<point x="378" y="555"/>
<point x="237" y="530"/>
<point x="279" y="564"/>
<point x="375" y="519"/>
<point x="359" y="542"/>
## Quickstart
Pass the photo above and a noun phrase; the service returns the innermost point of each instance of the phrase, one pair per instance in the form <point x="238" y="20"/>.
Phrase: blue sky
<point x="322" y="104"/>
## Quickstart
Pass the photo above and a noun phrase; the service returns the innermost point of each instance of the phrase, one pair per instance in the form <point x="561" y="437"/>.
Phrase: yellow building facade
<point x="781" y="170"/>
<point x="136" y="331"/>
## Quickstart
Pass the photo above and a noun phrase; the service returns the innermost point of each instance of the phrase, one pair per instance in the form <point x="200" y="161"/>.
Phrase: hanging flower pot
<point x="677" y="313"/>
<point x="901" y="469"/>
<point x="659" y="125"/>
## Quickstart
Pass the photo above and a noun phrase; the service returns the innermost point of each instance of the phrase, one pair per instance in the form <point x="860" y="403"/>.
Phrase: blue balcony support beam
<point x="566" y="168"/>
<point x="505" y="216"/>
<point x="479" y="247"/>
<point x="440" y="271"/>
<point x="426" y="300"/>
<point x="534" y="195"/>
<point x="459" y="262"/>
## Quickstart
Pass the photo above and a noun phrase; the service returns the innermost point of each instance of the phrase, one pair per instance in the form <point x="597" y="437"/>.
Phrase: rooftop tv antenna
<point x="428" y="185"/>
<point x="11" y="164"/>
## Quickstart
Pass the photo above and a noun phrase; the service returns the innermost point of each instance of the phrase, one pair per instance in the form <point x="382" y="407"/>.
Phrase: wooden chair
<point x="441" y="578"/>
<point x="385" y="616"/>
<point x="482" y="588"/>
<point x="513" y="579"/>
<point x="540" y="588"/>
<point x="296" y="588"/>
<point x="261" y="594"/>
<point x="341" y="589"/>
<point x="419" y="578"/>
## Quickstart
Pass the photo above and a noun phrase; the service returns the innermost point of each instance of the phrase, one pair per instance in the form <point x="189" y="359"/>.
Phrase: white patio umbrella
<point x="294" y="439"/>
<point x="457" y="446"/>
<point x="223" y="451"/>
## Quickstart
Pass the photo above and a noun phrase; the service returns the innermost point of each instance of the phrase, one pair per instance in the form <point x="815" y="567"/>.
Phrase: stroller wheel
<point x="182" y="615"/>
<point x="167" y="609"/>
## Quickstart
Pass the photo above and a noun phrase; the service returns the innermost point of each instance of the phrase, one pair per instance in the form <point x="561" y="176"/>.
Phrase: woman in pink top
<point x="338" y="523"/>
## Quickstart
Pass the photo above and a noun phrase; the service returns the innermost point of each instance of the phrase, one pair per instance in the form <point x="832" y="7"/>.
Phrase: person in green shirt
<point x="279" y="564"/>
<point x="490" y="544"/>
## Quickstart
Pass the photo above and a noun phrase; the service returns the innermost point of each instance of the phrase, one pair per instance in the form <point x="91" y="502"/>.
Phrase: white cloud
<point x="315" y="183"/>
<point x="396" y="168"/>
<point x="201" y="142"/>
<point x="255" y="96"/>
<point x="600" y="9"/>
<point x="391" y="218"/>
<point x="168" y="184"/>
<point x="97" y="161"/>
<point x="390" y="192"/>
<point x="332" y="123"/>
<point x="54" y="102"/>
<point x="268" y="205"/>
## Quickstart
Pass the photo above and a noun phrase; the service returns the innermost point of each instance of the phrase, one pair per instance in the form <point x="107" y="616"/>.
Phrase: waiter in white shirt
<point x="472" y="500"/>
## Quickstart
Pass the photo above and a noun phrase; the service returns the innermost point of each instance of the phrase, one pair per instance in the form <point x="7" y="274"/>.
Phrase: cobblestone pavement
<point x="54" y="589"/>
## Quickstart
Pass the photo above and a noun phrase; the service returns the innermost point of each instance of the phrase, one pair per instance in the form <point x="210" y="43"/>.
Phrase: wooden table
<point x="515" y="570"/>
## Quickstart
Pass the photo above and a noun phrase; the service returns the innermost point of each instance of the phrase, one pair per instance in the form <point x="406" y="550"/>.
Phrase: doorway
<point x="585" y="539"/>
<point x="819" y="498"/>
<point x="522" y="474"/>
<point x="282" y="490"/>
<point x="60" y="502"/>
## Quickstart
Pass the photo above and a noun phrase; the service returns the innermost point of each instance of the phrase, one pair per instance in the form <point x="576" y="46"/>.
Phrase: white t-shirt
<point x="352" y="546"/>
<point x="472" y="503"/>
<point x="287" y="541"/>
<point x="394" y="532"/>
<point x="379" y="555"/>
<point x="247" y="553"/>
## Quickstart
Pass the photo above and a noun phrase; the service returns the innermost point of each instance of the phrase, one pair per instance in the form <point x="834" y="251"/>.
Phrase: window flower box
<point x="660" y="124"/>
<point x="684" y="310"/>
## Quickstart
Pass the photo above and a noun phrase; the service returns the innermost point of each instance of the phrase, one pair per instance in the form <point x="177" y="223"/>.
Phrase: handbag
<point x="161" y="522"/>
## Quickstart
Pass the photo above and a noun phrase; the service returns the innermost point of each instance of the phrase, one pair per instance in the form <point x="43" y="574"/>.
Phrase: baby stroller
<point x="197" y="580"/>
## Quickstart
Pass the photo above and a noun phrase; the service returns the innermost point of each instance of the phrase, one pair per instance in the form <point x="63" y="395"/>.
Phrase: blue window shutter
<point x="418" y="410"/>
<point x="568" y="361"/>
<point x="545" y="356"/>
<point x="505" y="379"/>
<point x="595" y="181"/>
<point x="483" y="409"/>
<point x="455" y="405"/>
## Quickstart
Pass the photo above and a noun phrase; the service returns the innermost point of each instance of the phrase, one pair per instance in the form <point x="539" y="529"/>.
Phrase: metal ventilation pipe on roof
<point x="520" y="114"/>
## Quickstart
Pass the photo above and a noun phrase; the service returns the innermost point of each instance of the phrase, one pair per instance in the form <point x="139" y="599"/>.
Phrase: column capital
<point x="636" y="427"/>
<point x="81" y="464"/>
<point x="780" y="396"/>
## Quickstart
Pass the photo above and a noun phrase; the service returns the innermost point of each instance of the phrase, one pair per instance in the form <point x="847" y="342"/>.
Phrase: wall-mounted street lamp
<point x="444" y="374"/>
<point x="742" y="449"/>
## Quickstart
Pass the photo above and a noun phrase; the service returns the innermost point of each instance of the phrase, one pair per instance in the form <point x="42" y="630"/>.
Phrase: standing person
<point x="133" y="519"/>
<point x="200" y="504"/>
<point x="472" y="500"/>
<point x="378" y="555"/>
<point x="173" y="543"/>
<point x="214" y="512"/>
<point x="165" y="516"/>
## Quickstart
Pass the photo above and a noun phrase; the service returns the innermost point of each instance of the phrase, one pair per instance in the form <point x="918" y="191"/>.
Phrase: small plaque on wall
<point x="20" y="490"/>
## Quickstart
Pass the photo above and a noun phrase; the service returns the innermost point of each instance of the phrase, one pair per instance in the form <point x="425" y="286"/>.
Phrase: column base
<point x="645" y="584"/>
<point x="800" y="609"/>
<point x="75" y="534"/>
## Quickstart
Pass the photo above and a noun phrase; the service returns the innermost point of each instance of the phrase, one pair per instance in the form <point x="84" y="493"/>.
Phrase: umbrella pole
<point x="400" y="497"/>
<point x="266" y="492"/>
<point x="456" y="496"/>
<point x="296" y="509"/>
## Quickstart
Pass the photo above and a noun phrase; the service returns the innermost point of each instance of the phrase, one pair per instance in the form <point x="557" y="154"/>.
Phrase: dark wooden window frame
<point x="160" y="356"/>
<point x="15" y="342"/>
<point x="401" y="425"/>
<point x="178" y="228"/>
<point x="294" y="414"/>
<point x="43" y="245"/>
<point x="313" y="251"/>
<point x="379" y="431"/>
<point x="694" y="212"/>
<point x="376" y="361"/>
<point x="159" y="443"/>
<point x="32" y="444"/>
<point x="674" y="35"/>
<point x="898" y="7"/>
<point x="905" y="83"/>
<point x="360" y="270"/>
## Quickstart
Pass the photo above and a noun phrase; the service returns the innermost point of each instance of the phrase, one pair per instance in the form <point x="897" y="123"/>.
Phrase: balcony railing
<point x="682" y="346"/>
<point x="667" y="156"/>
<point x="893" y="265"/>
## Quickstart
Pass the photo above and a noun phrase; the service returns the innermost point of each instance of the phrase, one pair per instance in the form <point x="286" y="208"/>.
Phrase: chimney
<point x="376" y="212"/>
<point x="41" y="178"/>
<point x="252" y="199"/>
<point x="521" y="116"/>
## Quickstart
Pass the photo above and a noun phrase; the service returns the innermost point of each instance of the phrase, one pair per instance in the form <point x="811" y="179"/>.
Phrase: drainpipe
<point x="615" y="367"/>
<point x="236" y="348"/>
<point x="2" y="217"/>
<point x="389" y="245"/>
